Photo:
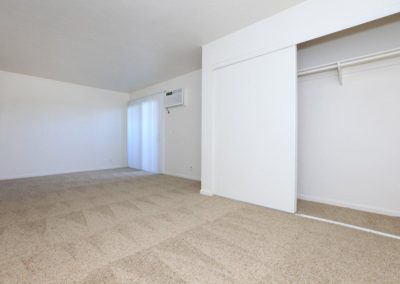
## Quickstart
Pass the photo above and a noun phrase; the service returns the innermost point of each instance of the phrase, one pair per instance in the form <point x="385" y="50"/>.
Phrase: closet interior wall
<point x="349" y="135"/>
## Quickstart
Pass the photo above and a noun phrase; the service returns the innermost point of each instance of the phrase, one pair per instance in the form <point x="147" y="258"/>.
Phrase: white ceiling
<point x="120" y="45"/>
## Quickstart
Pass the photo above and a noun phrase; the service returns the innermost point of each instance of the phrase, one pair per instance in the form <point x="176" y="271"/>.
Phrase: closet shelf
<point x="349" y="62"/>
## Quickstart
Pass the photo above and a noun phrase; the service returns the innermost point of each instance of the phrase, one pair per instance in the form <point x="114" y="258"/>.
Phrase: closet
<point x="349" y="119"/>
<point x="269" y="137"/>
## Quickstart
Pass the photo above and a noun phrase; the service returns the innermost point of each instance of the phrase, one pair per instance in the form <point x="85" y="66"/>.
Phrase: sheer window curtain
<point x="145" y="127"/>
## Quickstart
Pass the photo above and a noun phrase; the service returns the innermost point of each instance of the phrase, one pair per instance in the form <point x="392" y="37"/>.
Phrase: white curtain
<point x="144" y="129"/>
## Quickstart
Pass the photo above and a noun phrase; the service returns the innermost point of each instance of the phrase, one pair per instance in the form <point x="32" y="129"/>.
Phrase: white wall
<point x="311" y="19"/>
<point x="49" y="127"/>
<point x="349" y="135"/>
<point x="182" y="137"/>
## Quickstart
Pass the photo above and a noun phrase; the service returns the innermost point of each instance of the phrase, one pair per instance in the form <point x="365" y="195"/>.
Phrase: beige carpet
<point x="377" y="222"/>
<point x="125" y="226"/>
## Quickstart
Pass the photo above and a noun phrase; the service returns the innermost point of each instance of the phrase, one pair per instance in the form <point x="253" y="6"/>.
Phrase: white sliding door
<point x="144" y="132"/>
<point x="255" y="130"/>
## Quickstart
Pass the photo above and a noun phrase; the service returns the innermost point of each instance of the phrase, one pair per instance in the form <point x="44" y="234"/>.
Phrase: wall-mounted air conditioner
<point x="173" y="99"/>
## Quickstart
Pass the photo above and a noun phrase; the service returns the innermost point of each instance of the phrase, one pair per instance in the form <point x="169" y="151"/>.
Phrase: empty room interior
<point x="248" y="141"/>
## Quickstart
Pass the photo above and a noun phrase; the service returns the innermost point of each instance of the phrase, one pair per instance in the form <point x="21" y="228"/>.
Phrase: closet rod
<point x="349" y="62"/>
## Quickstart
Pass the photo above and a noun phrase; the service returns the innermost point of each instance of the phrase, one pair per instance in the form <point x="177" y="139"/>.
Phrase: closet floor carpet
<point x="125" y="226"/>
<point x="377" y="222"/>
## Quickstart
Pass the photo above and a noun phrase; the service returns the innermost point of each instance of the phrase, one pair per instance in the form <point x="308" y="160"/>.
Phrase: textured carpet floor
<point x="382" y="223"/>
<point x="125" y="226"/>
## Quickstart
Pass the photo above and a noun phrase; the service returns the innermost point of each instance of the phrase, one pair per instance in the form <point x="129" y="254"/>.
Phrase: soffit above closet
<point x="119" y="45"/>
<point x="372" y="37"/>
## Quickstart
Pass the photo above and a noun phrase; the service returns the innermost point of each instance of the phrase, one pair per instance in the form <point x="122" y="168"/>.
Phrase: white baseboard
<point x="181" y="176"/>
<point x="350" y="205"/>
<point x="206" y="192"/>
<point x="61" y="172"/>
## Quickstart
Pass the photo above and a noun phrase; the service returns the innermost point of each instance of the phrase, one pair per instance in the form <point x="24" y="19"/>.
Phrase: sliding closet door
<point x="255" y="130"/>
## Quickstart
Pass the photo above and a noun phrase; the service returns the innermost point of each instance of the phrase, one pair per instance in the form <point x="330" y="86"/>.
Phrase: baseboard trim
<point x="206" y="192"/>
<point x="350" y="205"/>
<point x="62" y="173"/>
<point x="181" y="176"/>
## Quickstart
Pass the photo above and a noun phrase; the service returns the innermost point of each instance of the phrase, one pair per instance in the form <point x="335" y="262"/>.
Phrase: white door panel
<point x="255" y="130"/>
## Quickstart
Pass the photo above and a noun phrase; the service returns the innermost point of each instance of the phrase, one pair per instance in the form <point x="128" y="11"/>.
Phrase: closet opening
<point x="349" y="127"/>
